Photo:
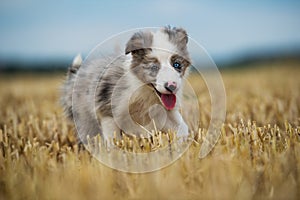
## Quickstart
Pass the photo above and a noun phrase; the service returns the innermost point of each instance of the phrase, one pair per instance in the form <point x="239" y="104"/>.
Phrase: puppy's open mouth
<point x="168" y="100"/>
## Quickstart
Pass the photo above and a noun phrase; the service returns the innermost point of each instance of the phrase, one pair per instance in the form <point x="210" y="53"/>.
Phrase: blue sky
<point x="60" y="29"/>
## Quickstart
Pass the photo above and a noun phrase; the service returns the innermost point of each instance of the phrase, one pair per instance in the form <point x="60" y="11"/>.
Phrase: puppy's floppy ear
<point x="139" y="43"/>
<point x="182" y="35"/>
<point x="177" y="35"/>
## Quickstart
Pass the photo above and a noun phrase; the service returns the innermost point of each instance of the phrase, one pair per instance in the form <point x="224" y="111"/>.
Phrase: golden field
<point x="256" y="157"/>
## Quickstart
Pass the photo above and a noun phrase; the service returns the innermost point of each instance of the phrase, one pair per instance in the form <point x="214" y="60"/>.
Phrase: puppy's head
<point x="160" y="60"/>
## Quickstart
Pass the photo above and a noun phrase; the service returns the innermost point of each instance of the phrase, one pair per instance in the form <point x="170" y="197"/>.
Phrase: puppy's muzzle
<point x="171" y="86"/>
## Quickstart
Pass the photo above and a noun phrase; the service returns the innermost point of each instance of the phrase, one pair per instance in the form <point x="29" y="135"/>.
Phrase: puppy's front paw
<point x="183" y="131"/>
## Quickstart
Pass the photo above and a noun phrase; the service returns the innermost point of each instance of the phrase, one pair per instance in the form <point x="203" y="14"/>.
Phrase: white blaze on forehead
<point x="161" y="40"/>
<point x="162" y="48"/>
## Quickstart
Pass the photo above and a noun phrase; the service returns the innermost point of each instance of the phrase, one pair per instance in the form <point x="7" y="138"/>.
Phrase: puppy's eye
<point x="154" y="67"/>
<point x="177" y="65"/>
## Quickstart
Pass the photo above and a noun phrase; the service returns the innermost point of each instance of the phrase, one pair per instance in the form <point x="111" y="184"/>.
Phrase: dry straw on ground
<point x="257" y="156"/>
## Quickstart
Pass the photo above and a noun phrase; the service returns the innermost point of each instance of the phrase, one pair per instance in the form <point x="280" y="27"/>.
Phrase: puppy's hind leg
<point x="109" y="130"/>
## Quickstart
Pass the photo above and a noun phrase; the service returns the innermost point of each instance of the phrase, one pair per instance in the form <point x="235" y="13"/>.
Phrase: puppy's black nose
<point x="171" y="86"/>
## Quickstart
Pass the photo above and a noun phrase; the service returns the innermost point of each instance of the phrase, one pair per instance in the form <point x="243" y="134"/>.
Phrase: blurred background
<point x="46" y="35"/>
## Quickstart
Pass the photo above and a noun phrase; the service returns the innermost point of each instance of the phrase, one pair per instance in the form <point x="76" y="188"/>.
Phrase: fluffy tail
<point x="67" y="88"/>
<point x="87" y="124"/>
<point x="77" y="61"/>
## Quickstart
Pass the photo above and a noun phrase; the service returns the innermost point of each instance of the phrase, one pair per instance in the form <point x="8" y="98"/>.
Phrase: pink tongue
<point x="169" y="100"/>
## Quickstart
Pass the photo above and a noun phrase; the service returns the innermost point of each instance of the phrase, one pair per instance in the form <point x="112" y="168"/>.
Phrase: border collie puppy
<point x="135" y="92"/>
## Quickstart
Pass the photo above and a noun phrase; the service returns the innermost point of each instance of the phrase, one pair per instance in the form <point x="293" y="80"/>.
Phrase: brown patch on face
<point x="145" y="68"/>
<point x="142" y="66"/>
<point x="183" y="63"/>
